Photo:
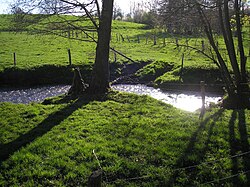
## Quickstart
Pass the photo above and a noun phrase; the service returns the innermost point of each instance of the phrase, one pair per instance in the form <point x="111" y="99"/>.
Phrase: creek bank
<point x="42" y="75"/>
<point x="151" y="73"/>
<point x="168" y="77"/>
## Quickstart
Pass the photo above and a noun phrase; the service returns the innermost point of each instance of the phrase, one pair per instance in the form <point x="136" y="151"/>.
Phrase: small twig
<point x="100" y="165"/>
<point x="97" y="159"/>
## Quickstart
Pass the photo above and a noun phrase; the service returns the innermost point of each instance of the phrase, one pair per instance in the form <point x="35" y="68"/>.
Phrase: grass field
<point x="139" y="141"/>
<point x="35" y="50"/>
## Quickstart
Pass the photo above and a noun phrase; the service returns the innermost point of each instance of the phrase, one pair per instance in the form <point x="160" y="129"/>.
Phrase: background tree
<point x="117" y="12"/>
<point x="204" y="10"/>
<point x="179" y="17"/>
<point x="144" y="12"/>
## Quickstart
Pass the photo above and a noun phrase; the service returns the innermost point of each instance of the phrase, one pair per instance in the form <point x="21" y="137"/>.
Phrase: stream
<point x="189" y="101"/>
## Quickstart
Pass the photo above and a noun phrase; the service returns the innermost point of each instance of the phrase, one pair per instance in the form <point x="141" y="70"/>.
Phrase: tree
<point x="101" y="74"/>
<point x="144" y="12"/>
<point x="179" y="17"/>
<point x="89" y="10"/>
<point x="117" y="12"/>
<point x="236" y="81"/>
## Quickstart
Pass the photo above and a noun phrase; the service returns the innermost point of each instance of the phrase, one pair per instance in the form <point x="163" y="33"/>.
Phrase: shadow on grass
<point x="190" y="150"/>
<point x="238" y="142"/>
<point x="54" y="119"/>
<point x="239" y="145"/>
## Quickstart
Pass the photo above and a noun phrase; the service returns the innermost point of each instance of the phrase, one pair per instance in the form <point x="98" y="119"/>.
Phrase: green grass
<point x="132" y="136"/>
<point x="36" y="50"/>
<point x="139" y="141"/>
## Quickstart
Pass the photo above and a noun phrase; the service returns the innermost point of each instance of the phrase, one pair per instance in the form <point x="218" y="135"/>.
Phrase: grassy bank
<point x="139" y="141"/>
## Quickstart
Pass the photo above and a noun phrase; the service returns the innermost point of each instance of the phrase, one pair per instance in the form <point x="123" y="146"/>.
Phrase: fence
<point x="147" y="38"/>
<point x="160" y="39"/>
<point x="95" y="179"/>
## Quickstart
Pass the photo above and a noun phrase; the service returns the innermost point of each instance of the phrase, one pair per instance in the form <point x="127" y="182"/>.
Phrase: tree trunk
<point x="230" y="44"/>
<point x="78" y="86"/>
<point x="243" y="58"/>
<point x="101" y="74"/>
<point x="222" y="66"/>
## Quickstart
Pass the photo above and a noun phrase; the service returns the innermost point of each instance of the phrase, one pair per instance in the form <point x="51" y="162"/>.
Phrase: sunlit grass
<point x="35" y="50"/>
<point x="133" y="136"/>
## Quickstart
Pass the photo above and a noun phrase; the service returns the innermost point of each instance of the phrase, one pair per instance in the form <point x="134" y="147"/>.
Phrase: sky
<point x="123" y="4"/>
<point x="4" y="6"/>
<point x="126" y="4"/>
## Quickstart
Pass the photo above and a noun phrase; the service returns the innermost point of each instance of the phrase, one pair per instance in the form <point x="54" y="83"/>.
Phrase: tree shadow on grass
<point x="238" y="145"/>
<point x="54" y="119"/>
<point x="184" y="161"/>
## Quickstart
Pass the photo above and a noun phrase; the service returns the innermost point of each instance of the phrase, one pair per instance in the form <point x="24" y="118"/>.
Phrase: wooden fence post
<point x="14" y="59"/>
<point x="95" y="179"/>
<point x="187" y="43"/>
<point x="182" y="65"/>
<point x="115" y="58"/>
<point x="154" y="40"/>
<point x="117" y="37"/>
<point x="128" y="39"/>
<point x="164" y="41"/>
<point x="69" y="54"/>
<point x="122" y="37"/>
<point x="14" y="56"/>
<point x="203" y="93"/>
<point x="203" y="45"/>
<point x="177" y="42"/>
<point x="138" y="39"/>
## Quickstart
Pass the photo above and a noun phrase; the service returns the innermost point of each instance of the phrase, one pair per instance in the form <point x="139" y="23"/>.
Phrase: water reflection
<point x="190" y="101"/>
<point x="35" y="94"/>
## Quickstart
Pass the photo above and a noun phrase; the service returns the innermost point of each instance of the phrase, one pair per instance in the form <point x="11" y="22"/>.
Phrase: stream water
<point x="34" y="94"/>
<point x="189" y="101"/>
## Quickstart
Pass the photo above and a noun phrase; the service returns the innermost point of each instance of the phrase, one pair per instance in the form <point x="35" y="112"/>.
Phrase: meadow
<point x="135" y="140"/>
<point x="136" y="41"/>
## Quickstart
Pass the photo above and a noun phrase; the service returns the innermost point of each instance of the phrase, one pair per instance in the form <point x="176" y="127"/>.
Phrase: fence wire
<point x="194" y="166"/>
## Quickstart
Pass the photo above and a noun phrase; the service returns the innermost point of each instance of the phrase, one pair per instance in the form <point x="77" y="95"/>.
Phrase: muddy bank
<point x="148" y="73"/>
<point x="43" y="75"/>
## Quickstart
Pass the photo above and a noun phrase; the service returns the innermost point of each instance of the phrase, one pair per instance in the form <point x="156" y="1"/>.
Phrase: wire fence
<point x="186" y="168"/>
